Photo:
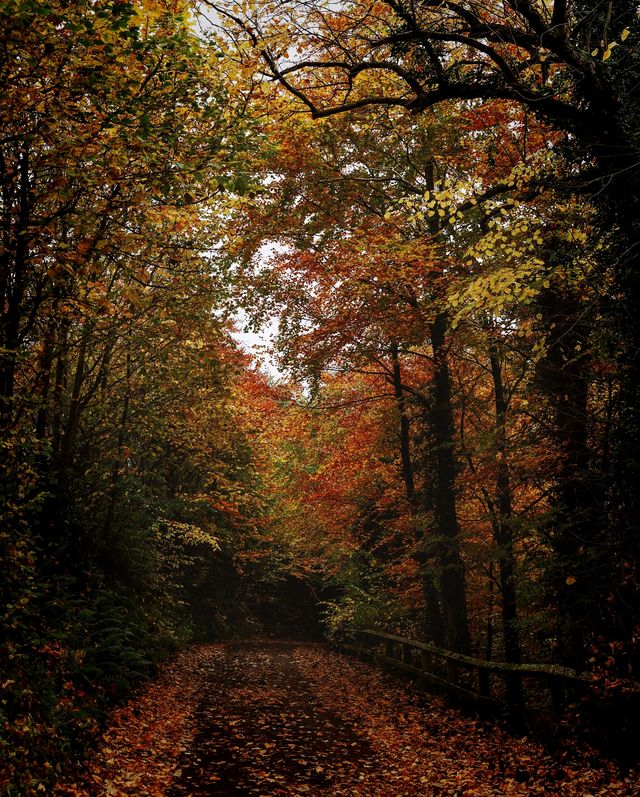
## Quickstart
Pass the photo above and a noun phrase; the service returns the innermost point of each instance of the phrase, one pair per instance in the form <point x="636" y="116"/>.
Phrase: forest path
<point x="299" y="719"/>
<point x="261" y="719"/>
<point x="272" y="730"/>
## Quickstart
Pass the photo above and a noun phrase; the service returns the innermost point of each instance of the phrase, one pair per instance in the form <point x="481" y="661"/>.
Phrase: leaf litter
<point x="269" y="719"/>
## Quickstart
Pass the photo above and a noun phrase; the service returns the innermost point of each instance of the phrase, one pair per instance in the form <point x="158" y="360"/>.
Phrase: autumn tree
<point x="127" y="487"/>
<point x="572" y="66"/>
<point x="361" y="282"/>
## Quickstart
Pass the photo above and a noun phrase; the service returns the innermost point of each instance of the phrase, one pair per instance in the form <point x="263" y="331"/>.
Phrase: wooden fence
<point x="488" y="683"/>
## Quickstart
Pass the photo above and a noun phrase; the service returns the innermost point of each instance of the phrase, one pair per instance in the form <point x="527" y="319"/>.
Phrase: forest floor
<point x="284" y="718"/>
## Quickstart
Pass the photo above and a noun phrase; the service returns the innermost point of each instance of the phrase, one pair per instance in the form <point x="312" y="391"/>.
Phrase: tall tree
<point x="574" y="65"/>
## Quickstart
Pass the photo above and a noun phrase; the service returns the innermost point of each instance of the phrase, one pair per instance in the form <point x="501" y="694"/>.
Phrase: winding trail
<point x="260" y="719"/>
<point x="298" y="719"/>
<point x="270" y="731"/>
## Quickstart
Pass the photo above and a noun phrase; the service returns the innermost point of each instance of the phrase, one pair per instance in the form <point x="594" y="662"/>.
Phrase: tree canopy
<point x="437" y="206"/>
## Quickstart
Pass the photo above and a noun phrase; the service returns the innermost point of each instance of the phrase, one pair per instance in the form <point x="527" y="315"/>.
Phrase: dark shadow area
<point x="291" y="609"/>
<point x="262" y="730"/>
<point x="224" y="605"/>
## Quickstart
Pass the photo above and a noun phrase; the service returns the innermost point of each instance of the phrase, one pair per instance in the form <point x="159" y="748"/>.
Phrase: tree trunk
<point x="405" y="440"/>
<point x="447" y="531"/>
<point x="578" y="575"/>
<point x="115" y="478"/>
<point x="619" y="606"/>
<point x="488" y="650"/>
<point x="44" y="382"/>
<point x="73" y="416"/>
<point x="12" y="290"/>
<point x="433" y="615"/>
<point x="504" y="533"/>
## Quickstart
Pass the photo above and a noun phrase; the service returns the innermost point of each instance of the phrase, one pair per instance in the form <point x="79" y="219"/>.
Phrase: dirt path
<point x="287" y="719"/>
<point x="267" y="719"/>
<point x="270" y="732"/>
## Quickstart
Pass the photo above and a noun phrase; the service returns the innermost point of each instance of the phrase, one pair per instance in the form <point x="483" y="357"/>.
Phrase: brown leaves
<point x="145" y="738"/>
<point x="287" y="719"/>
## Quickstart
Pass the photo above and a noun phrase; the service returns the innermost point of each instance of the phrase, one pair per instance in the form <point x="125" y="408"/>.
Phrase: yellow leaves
<point x="606" y="48"/>
<point x="187" y="533"/>
<point x="577" y="235"/>
<point x="150" y="11"/>
<point x="442" y="204"/>
<point x="132" y="295"/>
<point x="607" y="53"/>
<point x="498" y="290"/>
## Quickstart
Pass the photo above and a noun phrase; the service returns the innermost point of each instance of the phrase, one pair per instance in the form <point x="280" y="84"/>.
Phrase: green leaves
<point x="125" y="459"/>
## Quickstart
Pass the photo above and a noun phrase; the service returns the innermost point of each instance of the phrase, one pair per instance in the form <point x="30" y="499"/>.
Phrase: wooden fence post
<point x="484" y="686"/>
<point x="557" y="695"/>
<point x="561" y="681"/>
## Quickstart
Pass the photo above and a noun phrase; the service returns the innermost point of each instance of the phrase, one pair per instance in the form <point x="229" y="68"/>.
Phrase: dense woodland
<point x="438" y="204"/>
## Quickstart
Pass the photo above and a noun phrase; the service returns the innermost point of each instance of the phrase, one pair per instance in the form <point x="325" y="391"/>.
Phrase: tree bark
<point x="447" y="531"/>
<point x="504" y="532"/>
<point x="73" y="416"/>
<point x="577" y="574"/>
<point x="115" y="476"/>
<point x="433" y="614"/>
<point x="405" y="439"/>
<point x="12" y="288"/>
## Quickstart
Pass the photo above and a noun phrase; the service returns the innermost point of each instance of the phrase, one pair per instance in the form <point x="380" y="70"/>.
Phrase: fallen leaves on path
<point x="425" y="747"/>
<point x="139" y="750"/>
<point x="284" y="719"/>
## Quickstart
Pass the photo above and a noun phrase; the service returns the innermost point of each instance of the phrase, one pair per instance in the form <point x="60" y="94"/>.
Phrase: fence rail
<point x="489" y="683"/>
